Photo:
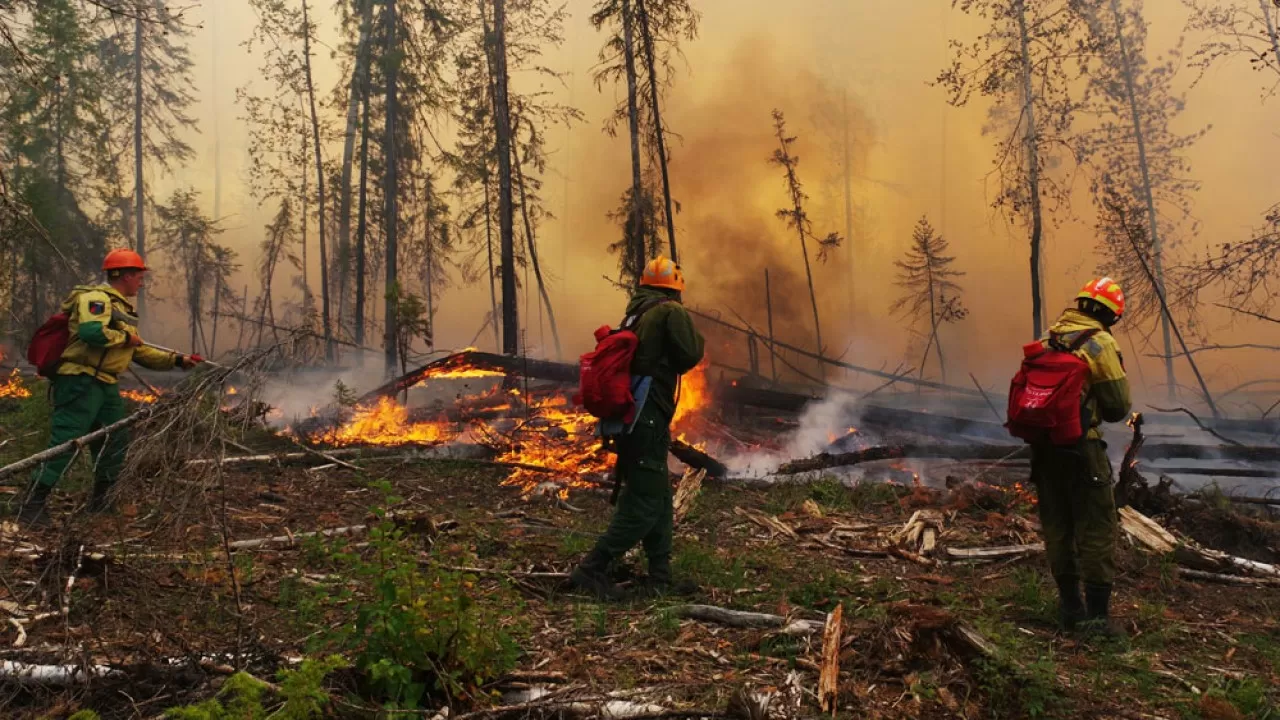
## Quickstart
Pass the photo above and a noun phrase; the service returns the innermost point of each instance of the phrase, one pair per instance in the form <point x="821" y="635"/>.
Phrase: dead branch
<point x="1228" y="579"/>
<point x="829" y="677"/>
<point x="686" y="494"/>
<point x="1250" y="313"/>
<point x="1207" y="348"/>
<point x="999" y="417"/>
<point x="1199" y="424"/>
<point x="74" y="445"/>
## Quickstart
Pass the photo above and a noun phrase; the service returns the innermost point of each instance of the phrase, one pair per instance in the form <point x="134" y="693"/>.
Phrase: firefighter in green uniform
<point x="1074" y="485"/>
<point x="103" y="342"/>
<point x="669" y="347"/>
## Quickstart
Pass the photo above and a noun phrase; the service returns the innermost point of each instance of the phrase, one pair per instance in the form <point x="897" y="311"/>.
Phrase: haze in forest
<point x="870" y="62"/>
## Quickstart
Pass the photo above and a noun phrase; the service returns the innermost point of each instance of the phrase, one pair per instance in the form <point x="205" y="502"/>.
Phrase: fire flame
<point x="387" y="423"/>
<point x="14" y="387"/>
<point x="139" y="396"/>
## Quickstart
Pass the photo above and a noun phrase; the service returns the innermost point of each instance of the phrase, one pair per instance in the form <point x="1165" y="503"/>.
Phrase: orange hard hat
<point x="123" y="259"/>
<point x="661" y="272"/>
<point x="1105" y="291"/>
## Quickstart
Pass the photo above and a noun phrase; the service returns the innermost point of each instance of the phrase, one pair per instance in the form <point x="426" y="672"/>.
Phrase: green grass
<point x="702" y="564"/>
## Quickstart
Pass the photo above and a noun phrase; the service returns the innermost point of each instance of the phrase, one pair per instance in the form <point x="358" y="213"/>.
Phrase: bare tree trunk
<point x="1033" y="174"/>
<point x="1157" y="256"/>
<point x="315" y="135"/>
<point x="506" y="217"/>
<point x="635" y="215"/>
<point x="217" y="311"/>
<point x="389" y="201"/>
<point x="348" y="155"/>
<point x="798" y="213"/>
<point x="139" y="189"/>
<point x="361" y="220"/>
<point x="848" y="198"/>
<point x="646" y="35"/>
<point x="488" y="238"/>
<point x="306" y="282"/>
<point x="429" y="279"/>
<point x="533" y="255"/>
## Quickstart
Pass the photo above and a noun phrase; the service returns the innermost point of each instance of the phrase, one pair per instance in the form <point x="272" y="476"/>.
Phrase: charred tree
<point x="321" y="205"/>
<point x="391" y="216"/>
<point x="930" y="291"/>
<point x="797" y="219"/>
<point x="506" y="210"/>
<point x="635" y="220"/>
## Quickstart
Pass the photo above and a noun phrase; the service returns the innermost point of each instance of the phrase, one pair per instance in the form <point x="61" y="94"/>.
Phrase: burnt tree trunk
<point x="635" y="213"/>
<point x="354" y="103"/>
<point x="1033" y="174"/>
<point x="506" y="217"/>
<point x="392" y="216"/>
<point x="660" y="140"/>
<point x="325" y="320"/>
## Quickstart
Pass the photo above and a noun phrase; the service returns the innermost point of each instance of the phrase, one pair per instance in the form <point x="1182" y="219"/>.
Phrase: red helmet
<point x="123" y="259"/>
<point x="1105" y="291"/>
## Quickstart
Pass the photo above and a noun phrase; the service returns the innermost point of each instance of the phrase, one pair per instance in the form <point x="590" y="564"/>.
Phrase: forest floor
<point x="458" y="572"/>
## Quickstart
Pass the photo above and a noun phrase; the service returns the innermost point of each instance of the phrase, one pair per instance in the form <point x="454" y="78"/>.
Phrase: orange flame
<point x="14" y="387"/>
<point x="139" y="396"/>
<point x="387" y="423"/>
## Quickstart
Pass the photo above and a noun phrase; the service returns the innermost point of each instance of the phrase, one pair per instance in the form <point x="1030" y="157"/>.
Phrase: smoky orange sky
<point x="913" y="155"/>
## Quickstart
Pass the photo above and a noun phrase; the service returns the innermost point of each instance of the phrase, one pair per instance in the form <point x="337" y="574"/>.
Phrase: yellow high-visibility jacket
<point x="1107" y="390"/>
<point x="100" y="320"/>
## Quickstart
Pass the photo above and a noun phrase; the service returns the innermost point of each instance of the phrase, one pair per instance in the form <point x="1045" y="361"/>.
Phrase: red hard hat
<point x="123" y="259"/>
<point x="1105" y="291"/>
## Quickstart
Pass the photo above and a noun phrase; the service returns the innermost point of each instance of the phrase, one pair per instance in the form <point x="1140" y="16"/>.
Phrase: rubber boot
<point x="1071" y="608"/>
<point x="1098" y="622"/>
<point x="33" y="514"/>
<point x="101" y="500"/>
<point x="659" y="582"/>
<point x="592" y="576"/>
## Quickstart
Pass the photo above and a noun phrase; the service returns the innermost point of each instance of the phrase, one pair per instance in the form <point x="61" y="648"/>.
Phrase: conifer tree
<point x="930" y="290"/>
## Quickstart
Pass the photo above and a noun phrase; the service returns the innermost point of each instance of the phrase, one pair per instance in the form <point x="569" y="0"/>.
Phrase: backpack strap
<point x="629" y="322"/>
<point x="1082" y="337"/>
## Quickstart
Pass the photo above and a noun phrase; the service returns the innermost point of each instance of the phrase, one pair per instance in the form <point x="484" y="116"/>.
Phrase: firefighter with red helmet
<point x="103" y="341"/>
<point x="1074" y="484"/>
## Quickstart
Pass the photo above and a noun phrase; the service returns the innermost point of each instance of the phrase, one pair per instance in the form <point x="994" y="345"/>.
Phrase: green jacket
<point x="670" y="345"/>
<point x="1107" y="392"/>
<point x="100" y="321"/>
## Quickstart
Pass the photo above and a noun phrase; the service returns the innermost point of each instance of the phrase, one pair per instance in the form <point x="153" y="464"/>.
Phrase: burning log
<point x="824" y="461"/>
<point x="479" y="364"/>
<point x="697" y="459"/>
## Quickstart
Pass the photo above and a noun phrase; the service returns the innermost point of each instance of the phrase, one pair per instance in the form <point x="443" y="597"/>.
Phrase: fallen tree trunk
<point x="743" y="619"/>
<point x="893" y="452"/>
<point x="1157" y="539"/>
<point x="993" y="553"/>
<point x="448" y="451"/>
<point x="71" y="445"/>
<point x="474" y="360"/>
<point x="54" y="675"/>
<point x="1228" y="579"/>
<point x="697" y="459"/>
<point x="931" y="423"/>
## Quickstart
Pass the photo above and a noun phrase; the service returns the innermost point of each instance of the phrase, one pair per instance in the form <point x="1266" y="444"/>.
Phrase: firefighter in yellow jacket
<point x="103" y="342"/>
<point x="1074" y="485"/>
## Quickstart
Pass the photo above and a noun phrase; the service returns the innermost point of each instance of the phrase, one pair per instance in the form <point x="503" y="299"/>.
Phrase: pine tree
<point x="186" y="236"/>
<point x="930" y="291"/>
<point x="797" y="218"/>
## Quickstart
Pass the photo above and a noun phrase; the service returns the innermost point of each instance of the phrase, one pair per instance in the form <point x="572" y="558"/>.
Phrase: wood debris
<point x="768" y="522"/>
<point x="687" y="490"/>
<point x="829" y="678"/>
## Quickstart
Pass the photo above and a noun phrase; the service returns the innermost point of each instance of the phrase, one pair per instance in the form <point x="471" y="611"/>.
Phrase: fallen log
<point x="72" y="445"/>
<point x="1157" y="539"/>
<point x="54" y="675"/>
<point x="931" y="423"/>
<point x="475" y="360"/>
<point x="1228" y="579"/>
<point x="993" y="553"/>
<point x="449" y="451"/>
<point x="697" y="459"/>
<point x="744" y="619"/>
<point x="824" y="461"/>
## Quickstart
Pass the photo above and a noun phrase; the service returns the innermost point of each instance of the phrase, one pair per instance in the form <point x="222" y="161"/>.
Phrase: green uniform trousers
<point x="644" y="511"/>
<point x="82" y="404"/>
<point x="1077" y="510"/>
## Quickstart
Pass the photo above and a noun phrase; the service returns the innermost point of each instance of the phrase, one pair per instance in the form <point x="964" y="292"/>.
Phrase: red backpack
<point x="604" y="374"/>
<point x="1045" y="395"/>
<point x="48" y="344"/>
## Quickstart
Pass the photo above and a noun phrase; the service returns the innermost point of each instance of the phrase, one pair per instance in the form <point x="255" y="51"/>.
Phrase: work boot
<point x="659" y="583"/>
<point x="592" y="576"/>
<point x="1070" y="607"/>
<point x="1097" y="621"/>
<point x="32" y="514"/>
<point x="101" y="500"/>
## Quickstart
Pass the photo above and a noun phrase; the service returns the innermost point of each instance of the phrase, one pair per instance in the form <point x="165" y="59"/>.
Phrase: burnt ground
<point x="167" y="607"/>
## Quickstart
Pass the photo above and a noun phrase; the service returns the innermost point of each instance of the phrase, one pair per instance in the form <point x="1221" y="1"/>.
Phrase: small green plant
<point x="344" y="395"/>
<point x="1213" y="496"/>
<point x="574" y="544"/>
<point x="697" y="561"/>
<point x="239" y="699"/>
<point x="870" y="493"/>
<point x="413" y="627"/>
<point x="85" y="715"/>
<point x="1248" y="695"/>
<point x="1032" y="593"/>
<point x="821" y="592"/>
<point x="301" y="696"/>
<point x="666" y="624"/>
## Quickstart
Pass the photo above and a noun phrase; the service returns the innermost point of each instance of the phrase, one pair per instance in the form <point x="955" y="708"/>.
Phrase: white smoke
<point x="820" y="424"/>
